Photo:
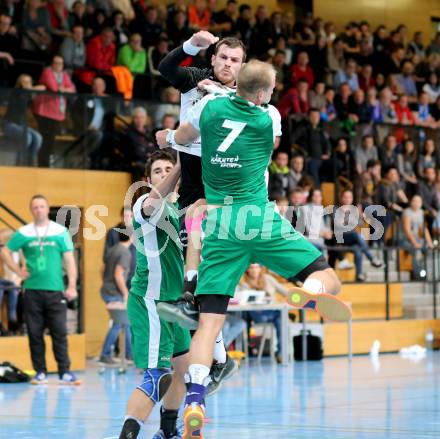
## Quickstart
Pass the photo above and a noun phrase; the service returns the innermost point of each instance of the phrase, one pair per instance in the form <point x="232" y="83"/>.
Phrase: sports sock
<point x="131" y="428"/>
<point x="314" y="285"/>
<point x="168" y="421"/>
<point x="219" y="349"/>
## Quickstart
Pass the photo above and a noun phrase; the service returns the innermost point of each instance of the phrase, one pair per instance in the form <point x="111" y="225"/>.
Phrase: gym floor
<point x="388" y="398"/>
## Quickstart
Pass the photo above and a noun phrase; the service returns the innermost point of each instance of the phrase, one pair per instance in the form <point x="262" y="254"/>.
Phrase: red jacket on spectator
<point x="298" y="73"/>
<point x="100" y="57"/>
<point x="48" y="105"/>
<point x="403" y="113"/>
<point x="365" y="84"/>
<point x="292" y="103"/>
<point x="55" y="20"/>
<point x="200" y="22"/>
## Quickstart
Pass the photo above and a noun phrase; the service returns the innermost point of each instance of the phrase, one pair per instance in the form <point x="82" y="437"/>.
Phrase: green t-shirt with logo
<point x="237" y="144"/>
<point x="43" y="249"/>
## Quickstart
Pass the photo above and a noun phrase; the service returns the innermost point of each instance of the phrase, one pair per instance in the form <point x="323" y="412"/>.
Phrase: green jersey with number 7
<point x="238" y="138"/>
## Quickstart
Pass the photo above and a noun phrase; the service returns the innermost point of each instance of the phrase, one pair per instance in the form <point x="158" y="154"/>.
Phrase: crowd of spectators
<point x="360" y="106"/>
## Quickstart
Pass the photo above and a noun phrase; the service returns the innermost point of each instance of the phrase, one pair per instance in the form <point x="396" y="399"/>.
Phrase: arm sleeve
<point x="196" y="111"/>
<point x="183" y="78"/>
<point x="276" y="121"/>
<point x="124" y="260"/>
<point x="140" y="216"/>
<point x="66" y="243"/>
<point x="16" y="242"/>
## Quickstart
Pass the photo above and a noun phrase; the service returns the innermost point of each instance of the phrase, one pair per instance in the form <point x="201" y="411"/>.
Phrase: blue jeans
<point x="269" y="316"/>
<point x="357" y="242"/>
<point x="12" y="298"/>
<point x="114" y="331"/>
<point x="232" y="328"/>
<point x="34" y="139"/>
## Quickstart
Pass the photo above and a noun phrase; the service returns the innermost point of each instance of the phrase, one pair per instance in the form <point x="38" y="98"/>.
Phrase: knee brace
<point x="156" y="383"/>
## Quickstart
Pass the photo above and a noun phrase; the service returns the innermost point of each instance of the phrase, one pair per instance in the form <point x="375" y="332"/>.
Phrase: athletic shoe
<point x="328" y="306"/>
<point x="193" y="420"/>
<point x="377" y="263"/>
<point x="161" y="435"/>
<point x="69" y="379"/>
<point x="107" y="360"/>
<point x="39" y="378"/>
<point x="345" y="265"/>
<point x="186" y="314"/>
<point x="219" y="373"/>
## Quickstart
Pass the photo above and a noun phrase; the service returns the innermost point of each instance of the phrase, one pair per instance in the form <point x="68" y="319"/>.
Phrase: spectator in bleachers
<point x="434" y="47"/>
<point x="139" y="142"/>
<point x="199" y="16"/>
<point x="170" y="104"/>
<point x="78" y="17"/>
<point x="404" y="114"/>
<point x="317" y="97"/>
<point x="366" y="189"/>
<point x="245" y="23"/>
<point x="415" y="236"/>
<point x="436" y="111"/>
<point x="391" y="64"/>
<point x="179" y="31"/>
<point x="278" y="62"/>
<point x="380" y="82"/>
<point x="329" y="114"/>
<point x="100" y="56"/>
<point x="73" y="50"/>
<point x="365" y="152"/>
<point x="279" y="182"/>
<point x="329" y="30"/>
<point x="432" y="87"/>
<point x="373" y="105"/>
<point x="318" y="58"/>
<point x="365" y="55"/>
<point x="407" y="82"/>
<point x="388" y="152"/>
<point x="97" y="21"/>
<point x="429" y="158"/>
<point x="120" y="29"/>
<point x="15" y="119"/>
<point x="281" y="45"/>
<point x="8" y="50"/>
<point x="172" y="10"/>
<point x="387" y="111"/>
<point x="379" y="39"/>
<point x="305" y="185"/>
<point x="394" y="85"/>
<point x="133" y="56"/>
<point x="335" y="56"/>
<point x="223" y="21"/>
<point x="353" y="238"/>
<point x="391" y="195"/>
<point x="425" y="68"/>
<point x="259" y="42"/>
<point x="366" y="78"/>
<point x="13" y="9"/>
<point x="416" y="46"/>
<point x="341" y="163"/>
<point x="422" y="116"/>
<point x="350" y="39"/>
<point x="348" y="76"/>
<point x="316" y="225"/>
<point x="49" y="109"/>
<point x="88" y="114"/>
<point x="358" y="109"/>
<point x="427" y="190"/>
<point x="406" y="165"/>
<point x="302" y="70"/>
<point x="37" y="30"/>
<point x="295" y="101"/>
<point x="296" y="170"/>
<point x="342" y="101"/>
<point x="168" y="122"/>
<point x="314" y="143"/>
<point x="257" y="278"/>
<point x="59" y="20"/>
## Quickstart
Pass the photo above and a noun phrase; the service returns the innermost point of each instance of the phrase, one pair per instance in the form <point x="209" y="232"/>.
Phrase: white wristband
<point x="170" y="138"/>
<point x="190" y="49"/>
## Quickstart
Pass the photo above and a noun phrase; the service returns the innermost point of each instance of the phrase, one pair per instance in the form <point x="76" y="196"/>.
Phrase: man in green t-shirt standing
<point x="45" y="245"/>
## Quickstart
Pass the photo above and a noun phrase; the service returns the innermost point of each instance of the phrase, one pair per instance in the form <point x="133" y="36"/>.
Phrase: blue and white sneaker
<point x="39" y="378"/>
<point x="69" y="379"/>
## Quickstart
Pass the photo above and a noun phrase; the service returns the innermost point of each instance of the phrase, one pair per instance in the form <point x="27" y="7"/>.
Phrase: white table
<point x="276" y="306"/>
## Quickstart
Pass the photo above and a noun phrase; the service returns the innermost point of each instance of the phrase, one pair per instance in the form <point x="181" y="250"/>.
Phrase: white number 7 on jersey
<point x="236" y="127"/>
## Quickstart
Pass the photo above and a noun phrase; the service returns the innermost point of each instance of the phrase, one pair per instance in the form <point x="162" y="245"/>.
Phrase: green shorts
<point x="154" y="341"/>
<point x="239" y="235"/>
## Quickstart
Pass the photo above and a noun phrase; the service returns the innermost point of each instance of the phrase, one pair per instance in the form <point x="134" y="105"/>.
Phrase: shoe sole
<point x="328" y="306"/>
<point x="232" y="372"/>
<point x="173" y="314"/>
<point x="192" y="423"/>
<point x="38" y="383"/>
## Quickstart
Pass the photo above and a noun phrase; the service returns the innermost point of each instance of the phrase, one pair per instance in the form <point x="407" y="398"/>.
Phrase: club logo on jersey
<point x="226" y="162"/>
